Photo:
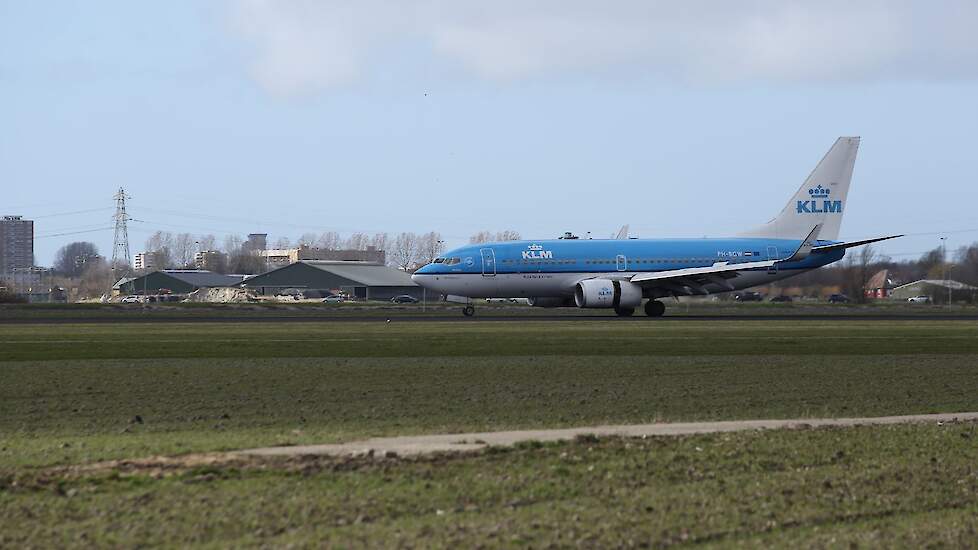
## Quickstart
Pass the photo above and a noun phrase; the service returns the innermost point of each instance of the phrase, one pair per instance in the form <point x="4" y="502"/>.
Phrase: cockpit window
<point x="438" y="260"/>
<point x="452" y="261"/>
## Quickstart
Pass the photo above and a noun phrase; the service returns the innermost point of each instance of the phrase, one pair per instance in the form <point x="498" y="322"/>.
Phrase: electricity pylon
<point x="120" y="248"/>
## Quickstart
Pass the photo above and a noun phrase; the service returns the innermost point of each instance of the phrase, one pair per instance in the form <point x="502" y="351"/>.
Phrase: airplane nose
<point x="416" y="278"/>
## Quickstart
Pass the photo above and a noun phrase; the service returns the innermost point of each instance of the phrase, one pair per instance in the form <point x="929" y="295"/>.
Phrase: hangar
<point x="938" y="290"/>
<point x="361" y="280"/>
<point x="176" y="281"/>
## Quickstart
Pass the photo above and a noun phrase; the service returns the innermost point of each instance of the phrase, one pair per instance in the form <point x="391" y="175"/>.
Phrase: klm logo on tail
<point x="820" y="202"/>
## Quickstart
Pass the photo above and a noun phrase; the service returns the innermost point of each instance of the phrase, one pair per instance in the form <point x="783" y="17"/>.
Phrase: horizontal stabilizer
<point x="840" y="246"/>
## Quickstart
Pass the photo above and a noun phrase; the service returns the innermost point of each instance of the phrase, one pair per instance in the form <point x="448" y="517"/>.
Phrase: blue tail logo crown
<point x="819" y="192"/>
<point x="819" y="203"/>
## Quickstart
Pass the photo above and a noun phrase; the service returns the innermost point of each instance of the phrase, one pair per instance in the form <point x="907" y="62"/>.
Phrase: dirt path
<point x="423" y="444"/>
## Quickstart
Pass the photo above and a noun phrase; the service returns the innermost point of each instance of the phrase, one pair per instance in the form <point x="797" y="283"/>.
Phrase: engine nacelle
<point x="607" y="293"/>
<point x="550" y="301"/>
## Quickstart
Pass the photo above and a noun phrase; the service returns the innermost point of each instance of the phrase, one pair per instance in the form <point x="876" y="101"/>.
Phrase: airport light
<point x="944" y="269"/>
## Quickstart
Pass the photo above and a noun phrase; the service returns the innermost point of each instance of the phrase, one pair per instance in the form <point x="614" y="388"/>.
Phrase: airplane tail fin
<point x="820" y="200"/>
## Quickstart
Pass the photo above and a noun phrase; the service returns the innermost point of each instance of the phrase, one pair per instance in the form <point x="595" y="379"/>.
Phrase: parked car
<point x="293" y="293"/>
<point x="782" y="298"/>
<point x="749" y="296"/>
<point x="838" y="299"/>
<point x="334" y="299"/>
<point x="404" y="299"/>
<point x="131" y="300"/>
<point x="919" y="299"/>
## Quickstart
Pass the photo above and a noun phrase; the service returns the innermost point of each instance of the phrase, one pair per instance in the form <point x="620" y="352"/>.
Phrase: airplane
<point x="620" y="274"/>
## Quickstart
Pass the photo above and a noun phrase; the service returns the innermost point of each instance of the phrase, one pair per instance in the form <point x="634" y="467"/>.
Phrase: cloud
<point x="305" y="46"/>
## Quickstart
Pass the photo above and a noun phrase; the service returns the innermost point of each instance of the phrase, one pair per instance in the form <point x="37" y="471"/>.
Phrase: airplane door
<point x="622" y="262"/>
<point x="488" y="262"/>
<point x="772" y="254"/>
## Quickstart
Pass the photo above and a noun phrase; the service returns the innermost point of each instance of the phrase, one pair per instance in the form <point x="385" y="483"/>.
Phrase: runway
<point x="401" y="317"/>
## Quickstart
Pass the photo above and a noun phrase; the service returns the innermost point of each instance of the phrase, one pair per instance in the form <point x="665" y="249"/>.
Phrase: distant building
<point x="16" y="244"/>
<point x="880" y="285"/>
<point x="938" y="290"/>
<point x="255" y="242"/>
<point x="28" y="280"/>
<point x="211" y="260"/>
<point x="33" y="284"/>
<point x="361" y="280"/>
<point x="144" y="260"/>
<point x="174" y="281"/>
<point x="275" y="258"/>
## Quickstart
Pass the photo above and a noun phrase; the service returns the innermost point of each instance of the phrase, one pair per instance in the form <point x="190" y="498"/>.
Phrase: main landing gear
<point x="625" y="311"/>
<point x="468" y="311"/>
<point x="654" y="308"/>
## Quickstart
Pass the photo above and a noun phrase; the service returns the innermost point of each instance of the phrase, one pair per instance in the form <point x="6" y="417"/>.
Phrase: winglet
<point x="806" y="246"/>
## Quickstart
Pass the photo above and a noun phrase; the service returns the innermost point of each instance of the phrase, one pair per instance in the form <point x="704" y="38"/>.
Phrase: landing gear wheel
<point x="468" y="311"/>
<point x="654" y="308"/>
<point x="624" y="311"/>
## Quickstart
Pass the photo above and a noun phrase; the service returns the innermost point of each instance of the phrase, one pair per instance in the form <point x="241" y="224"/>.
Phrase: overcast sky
<point x="679" y="118"/>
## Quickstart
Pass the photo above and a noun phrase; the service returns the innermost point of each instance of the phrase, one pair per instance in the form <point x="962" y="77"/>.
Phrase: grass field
<point x="313" y="309"/>
<point x="79" y="394"/>
<point x="904" y="486"/>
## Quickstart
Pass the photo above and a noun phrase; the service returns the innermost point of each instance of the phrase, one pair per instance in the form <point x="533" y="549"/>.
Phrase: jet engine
<point x="550" y="301"/>
<point x="607" y="293"/>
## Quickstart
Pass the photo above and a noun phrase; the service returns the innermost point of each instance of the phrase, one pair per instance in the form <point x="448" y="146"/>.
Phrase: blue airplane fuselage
<point x="552" y="268"/>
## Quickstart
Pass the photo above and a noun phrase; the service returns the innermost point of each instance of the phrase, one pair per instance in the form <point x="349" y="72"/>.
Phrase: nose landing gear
<point x="654" y="308"/>
<point x="468" y="311"/>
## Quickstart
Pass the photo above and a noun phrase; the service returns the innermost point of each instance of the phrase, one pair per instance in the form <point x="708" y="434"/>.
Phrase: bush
<point x="11" y="298"/>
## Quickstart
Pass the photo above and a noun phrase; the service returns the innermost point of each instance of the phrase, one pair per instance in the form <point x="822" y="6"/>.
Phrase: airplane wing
<point x="692" y="280"/>
<point x="695" y="278"/>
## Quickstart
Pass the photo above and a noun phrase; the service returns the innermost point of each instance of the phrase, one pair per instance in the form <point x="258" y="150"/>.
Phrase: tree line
<point x="80" y="265"/>
<point x="170" y="250"/>
<point x="852" y="274"/>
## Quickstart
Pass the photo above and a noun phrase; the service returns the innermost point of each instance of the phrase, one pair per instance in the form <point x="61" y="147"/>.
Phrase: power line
<point x="154" y="224"/>
<point x="75" y="227"/>
<point x="72" y="233"/>
<point x="949" y="232"/>
<point x="90" y="210"/>
<point x="253" y="222"/>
